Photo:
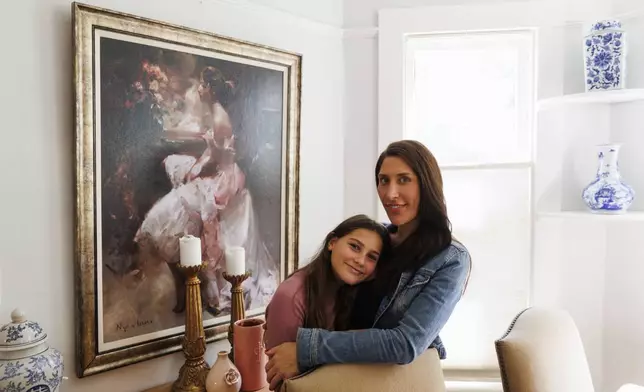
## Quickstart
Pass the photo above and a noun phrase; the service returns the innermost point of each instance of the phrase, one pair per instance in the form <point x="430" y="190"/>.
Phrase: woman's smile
<point x="398" y="190"/>
<point x="395" y="207"/>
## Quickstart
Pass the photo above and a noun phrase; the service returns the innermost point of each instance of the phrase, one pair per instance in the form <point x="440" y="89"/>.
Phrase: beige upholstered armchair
<point x="542" y="352"/>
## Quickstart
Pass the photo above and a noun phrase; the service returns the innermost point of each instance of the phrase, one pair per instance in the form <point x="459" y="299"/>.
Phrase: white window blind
<point x="469" y="97"/>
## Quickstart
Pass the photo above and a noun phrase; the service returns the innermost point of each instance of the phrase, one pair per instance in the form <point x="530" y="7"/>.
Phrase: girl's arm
<point x="418" y="328"/>
<point x="203" y="160"/>
<point x="284" y="315"/>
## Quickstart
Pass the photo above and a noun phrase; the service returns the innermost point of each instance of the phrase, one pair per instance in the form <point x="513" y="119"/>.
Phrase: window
<point x="470" y="97"/>
<point x="473" y="87"/>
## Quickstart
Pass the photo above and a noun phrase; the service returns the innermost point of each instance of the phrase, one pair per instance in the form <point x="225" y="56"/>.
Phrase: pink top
<point x="285" y="312"/>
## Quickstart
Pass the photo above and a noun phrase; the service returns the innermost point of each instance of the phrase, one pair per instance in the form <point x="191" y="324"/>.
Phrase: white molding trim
<point x="361" y="32"/>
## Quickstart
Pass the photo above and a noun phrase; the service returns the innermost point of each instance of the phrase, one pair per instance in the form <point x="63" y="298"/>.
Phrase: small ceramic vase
<point x="250" y="359"/>
<point x="608" y="193"/>
<point x="27" y="364"/>
<point x="223" y="375"/>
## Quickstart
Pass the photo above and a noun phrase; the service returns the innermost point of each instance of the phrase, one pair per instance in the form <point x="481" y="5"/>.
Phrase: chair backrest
<point x="543" y="352"/>
<point x="424" y="374"/>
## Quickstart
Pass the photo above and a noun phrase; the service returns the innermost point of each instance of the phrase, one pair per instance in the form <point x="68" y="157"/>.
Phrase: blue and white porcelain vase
<point x="608" y="193"/>
<point x="605" y="56"/>
<point x="27" y="363"/>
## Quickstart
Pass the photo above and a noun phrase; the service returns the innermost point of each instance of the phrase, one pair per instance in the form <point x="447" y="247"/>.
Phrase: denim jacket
<point x="406" y="324"/>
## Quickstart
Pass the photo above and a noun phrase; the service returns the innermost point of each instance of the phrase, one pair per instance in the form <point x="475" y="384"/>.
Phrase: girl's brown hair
<point x="320" y="283"/>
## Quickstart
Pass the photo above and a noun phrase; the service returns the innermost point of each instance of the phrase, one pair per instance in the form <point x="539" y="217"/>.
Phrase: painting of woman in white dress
<point x="209" y="199"/>
<point x="191" y="145"/>
<point x="177" y="132"/>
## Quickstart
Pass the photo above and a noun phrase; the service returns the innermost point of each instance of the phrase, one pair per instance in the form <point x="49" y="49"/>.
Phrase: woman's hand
<point x="209" y="138"/>
<point x="282" y="364"/>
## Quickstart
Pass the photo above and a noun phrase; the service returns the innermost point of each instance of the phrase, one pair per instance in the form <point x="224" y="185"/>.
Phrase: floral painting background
<point x="189" y="144"/>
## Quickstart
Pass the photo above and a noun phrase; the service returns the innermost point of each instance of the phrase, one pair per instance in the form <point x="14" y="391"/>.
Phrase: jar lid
<point x="20" y="333"/>
<point x="606" y="25"/>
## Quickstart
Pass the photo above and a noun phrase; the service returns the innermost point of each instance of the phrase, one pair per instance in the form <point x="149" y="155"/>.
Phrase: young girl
<point x="320" y="295"/>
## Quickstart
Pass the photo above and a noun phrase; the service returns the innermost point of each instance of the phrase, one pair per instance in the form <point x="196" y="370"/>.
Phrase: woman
<point x="321" y="294"/>
<point x="209" y="199"/>
<point x="414" y="292"/>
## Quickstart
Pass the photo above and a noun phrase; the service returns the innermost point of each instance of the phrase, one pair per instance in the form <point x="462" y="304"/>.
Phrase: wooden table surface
<point x="167" y="388"/>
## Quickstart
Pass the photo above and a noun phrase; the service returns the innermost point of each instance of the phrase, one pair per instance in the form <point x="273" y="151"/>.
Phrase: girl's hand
<point x="282" y="364"/>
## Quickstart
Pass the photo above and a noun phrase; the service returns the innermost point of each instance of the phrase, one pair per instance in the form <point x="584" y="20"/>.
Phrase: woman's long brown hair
<point x="434" y="230"/>
<point x="321" y="285"/>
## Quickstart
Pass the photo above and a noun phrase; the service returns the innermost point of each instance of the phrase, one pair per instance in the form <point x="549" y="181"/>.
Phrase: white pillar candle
<point x="190" y="251"/>
<point x="235" y="260"/>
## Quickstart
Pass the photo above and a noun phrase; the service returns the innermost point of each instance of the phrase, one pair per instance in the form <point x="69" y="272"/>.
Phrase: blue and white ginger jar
<point x="608" y="193"/>
<point x="605" y="56"/>
<point x="27" y="364"/>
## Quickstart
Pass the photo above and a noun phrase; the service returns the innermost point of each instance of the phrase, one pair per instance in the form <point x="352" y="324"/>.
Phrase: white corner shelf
<point x="591" y="97"/>
<point x="628" y="216"/>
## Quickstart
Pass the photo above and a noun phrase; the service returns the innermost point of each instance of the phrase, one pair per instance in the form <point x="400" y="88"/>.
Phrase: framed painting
<point x="178" y="132"/>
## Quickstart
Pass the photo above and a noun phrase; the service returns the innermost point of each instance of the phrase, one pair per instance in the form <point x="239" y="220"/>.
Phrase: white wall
<point x="361" y="125"/>
<point x="327" y="11"/>
<point x="364" y="13"/>
<point x="621" y="7"/>
<point x="36" y="255"/>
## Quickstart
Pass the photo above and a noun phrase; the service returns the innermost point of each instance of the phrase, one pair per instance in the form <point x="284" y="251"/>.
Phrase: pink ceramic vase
<point x="250" y="359"/>
<point x="223" y="375"/>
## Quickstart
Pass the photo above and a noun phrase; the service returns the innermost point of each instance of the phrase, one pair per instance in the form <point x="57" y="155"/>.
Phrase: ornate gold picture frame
<point x="178" y="132"/>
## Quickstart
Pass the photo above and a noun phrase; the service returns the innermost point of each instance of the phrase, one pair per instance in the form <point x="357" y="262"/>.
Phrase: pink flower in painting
<point x="154" y="72"/>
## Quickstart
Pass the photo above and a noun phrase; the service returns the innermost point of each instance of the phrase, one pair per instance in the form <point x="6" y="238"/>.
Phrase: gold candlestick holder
<point x="193" y="373"/>
<point x="237" y="308"/>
